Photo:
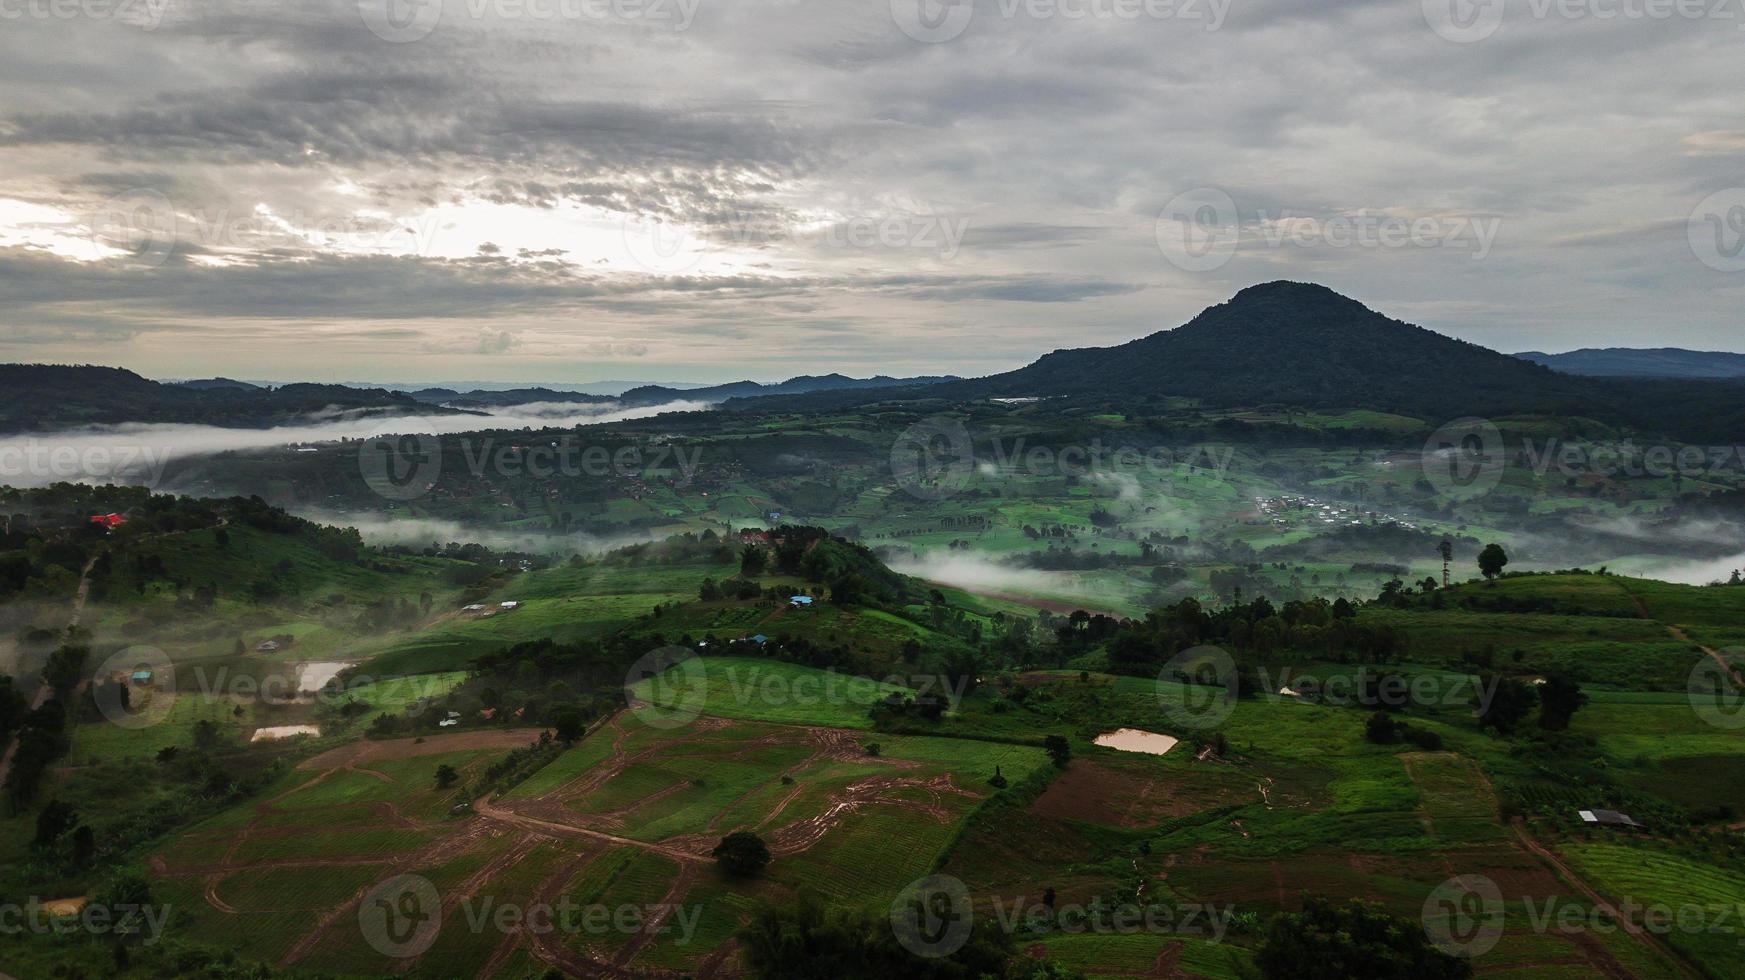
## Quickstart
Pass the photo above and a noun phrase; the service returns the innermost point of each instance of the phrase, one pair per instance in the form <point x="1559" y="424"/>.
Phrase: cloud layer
<point x="701" y="189"/>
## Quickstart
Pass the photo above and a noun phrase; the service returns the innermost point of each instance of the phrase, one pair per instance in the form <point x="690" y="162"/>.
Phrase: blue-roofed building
<point x="141" y="677"/>
<point x="800" y="600"/>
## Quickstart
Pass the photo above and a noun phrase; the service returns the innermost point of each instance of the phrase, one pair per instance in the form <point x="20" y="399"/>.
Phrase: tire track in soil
<point x="470" y="887"/>
<point x="675" y="892"/>
<point x="437" y="852"/>
<point x="1648" y="940"/>
<point x="548" y="892"/>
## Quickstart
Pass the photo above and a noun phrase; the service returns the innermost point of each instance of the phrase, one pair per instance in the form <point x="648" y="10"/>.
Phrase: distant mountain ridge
<point x="1644" y="362"/>
<point x="42" y="397"/>
<point x="804" y="384"/>
<point x="1303" y="345"/>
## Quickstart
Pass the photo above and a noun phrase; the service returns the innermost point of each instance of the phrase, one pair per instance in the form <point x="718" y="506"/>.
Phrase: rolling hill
<point x="1629" y="362"/>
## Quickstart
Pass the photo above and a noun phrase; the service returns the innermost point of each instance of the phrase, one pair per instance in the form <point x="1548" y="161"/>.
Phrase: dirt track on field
<point x="499" y="833"/>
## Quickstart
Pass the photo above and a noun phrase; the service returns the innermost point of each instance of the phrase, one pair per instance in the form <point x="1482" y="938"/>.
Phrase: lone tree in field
<point x="1058" y="750"/>
<point x="1502" y="702"/>
<point x="1491" y="560"/>
<point x="446" y="776"/>
<point x="1559" y="698"/>
<point x="741" y="854"/>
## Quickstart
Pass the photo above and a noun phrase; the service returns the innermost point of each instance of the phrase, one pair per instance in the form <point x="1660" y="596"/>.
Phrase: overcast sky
<point x="701" y="190"/>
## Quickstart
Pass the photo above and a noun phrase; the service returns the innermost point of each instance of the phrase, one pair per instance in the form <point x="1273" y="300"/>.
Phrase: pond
<point x="1134" y="740"/>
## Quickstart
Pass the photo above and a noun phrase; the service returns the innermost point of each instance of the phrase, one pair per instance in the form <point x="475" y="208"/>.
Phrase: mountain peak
<point x="1298" y="294"/>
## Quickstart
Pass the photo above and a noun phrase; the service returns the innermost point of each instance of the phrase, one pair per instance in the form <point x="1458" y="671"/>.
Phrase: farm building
<point x="141" y="676"/>
<point x="800" y="600"/>
<point x="1608" y="818"/>
<point x="510" y="604"/>
<point x="266" y="646"/>
<point x="108" y="520"/>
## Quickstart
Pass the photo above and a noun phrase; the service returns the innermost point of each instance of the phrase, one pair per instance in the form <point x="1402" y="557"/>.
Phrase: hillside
<point x="1656" y="362"/>
<point x="41" y="397"/>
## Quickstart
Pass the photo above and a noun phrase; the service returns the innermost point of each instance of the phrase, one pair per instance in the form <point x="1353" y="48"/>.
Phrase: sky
<point x="708" y="190"/>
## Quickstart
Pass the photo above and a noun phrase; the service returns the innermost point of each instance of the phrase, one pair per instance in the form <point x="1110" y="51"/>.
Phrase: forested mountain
<point x="36" y="397"/>
<point x="1303" y="345"/>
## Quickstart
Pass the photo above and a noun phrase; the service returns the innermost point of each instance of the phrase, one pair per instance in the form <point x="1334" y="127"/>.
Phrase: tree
<point x="1381" y="729"/>
<point x="1559" y="699"/>
<point x="741" y="854"/>
<point x="1360" y="940"/>
<point x="84" y="845"/>
<point x="1491" y="560"/>
<point x="1058" y="749"/>
<point x="752" y="561"/>
<point x="53" y="820"/>
<point x="1502" y="702"/>
<point x="446" y="776"/>
<point x="568" y="723"/>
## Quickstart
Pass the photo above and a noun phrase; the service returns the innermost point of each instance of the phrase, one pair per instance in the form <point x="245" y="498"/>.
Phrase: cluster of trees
<point x="1309" y="626"/>
<point x="1356" y="939"/>
<point x="808" y="938"/>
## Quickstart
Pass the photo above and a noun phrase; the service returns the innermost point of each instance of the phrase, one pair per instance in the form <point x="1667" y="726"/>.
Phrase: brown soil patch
<point x="1117" y="796"/>
<point x="360" y="753"/>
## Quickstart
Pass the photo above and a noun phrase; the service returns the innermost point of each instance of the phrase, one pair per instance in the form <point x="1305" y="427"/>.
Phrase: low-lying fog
<point x="139" y="452"/>
<point x="421" y="532"/>
<point x="983" y="574"/>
